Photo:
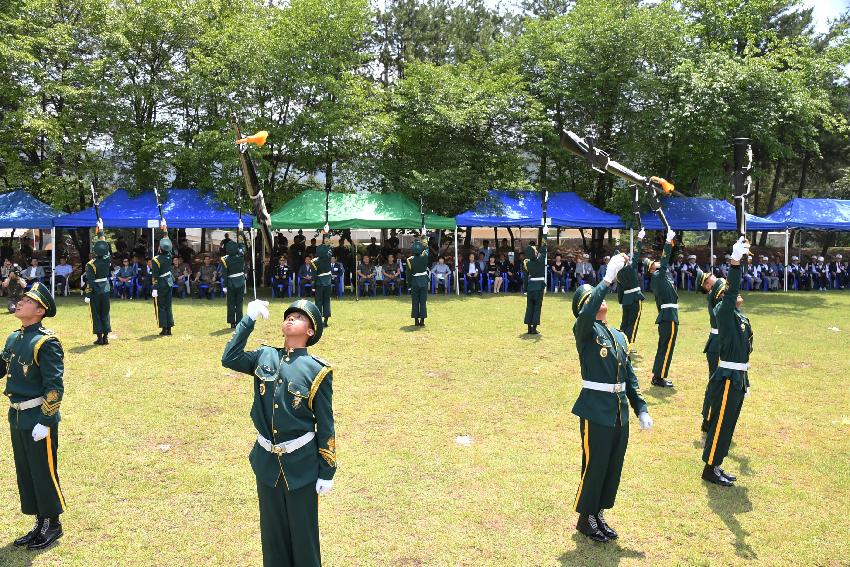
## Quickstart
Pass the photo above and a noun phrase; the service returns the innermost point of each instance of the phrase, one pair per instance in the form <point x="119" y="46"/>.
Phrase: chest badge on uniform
<point x="603" y="352"/>
<point x="262" y="388"/>
<point x="296" y="402"/>
<point x="743" y="327"/>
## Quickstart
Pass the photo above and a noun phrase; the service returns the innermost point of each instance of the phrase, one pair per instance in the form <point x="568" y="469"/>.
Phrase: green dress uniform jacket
<point x="534" y="266"/>
<point x="323" y="284"/>
<point x="604" y="423"/>
<point x="233" y="265"/>
<point x="32" y="363"/>
<point x="418" y="279"/>
<point x="163" y="280"/>
<point x="730" y="381"/>
<point x="97" y="291"/>
<point x="630" y="296"/>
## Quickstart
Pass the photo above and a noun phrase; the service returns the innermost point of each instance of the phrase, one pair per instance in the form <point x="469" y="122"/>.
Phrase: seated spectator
<point x="559" y="274"/>
<point x="206" y="276"/>
<point x="822" y="274"/>
<point x="124" y="280"/>
<point x="571" y="269"/>
<point x="838" y="270"/>
<point x="14" y="286"/>
<point x="281" y="276"/>
<point x="441" y="271"/>
<point x="585" y="271"/>
<point x="63" y="271"/>
<point x="508" y="269"/>
<point x="366" y="275"/>
<point x="472" y="272"/>
<point x="751" y="278"/>
<point x="520" y="267"/>
<point x="392" y="275"/>
<point x="182" y="276"/>
<point x="34" y="273"/>
<point x="796" y="274"/>
<point x="494" y="273"/>
<point x="689" y="273"/>
<point x="186" y="252"/>
<point x="603" y="268"/>
<point x="306" y="273"/>
<point x="144" y="279"/>
<point x="5" y="270"/>
<point x="337" y="272"/>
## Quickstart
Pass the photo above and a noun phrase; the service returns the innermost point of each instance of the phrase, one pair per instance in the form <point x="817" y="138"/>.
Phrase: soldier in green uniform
<point x="609" y="386"/>
<point x="163" y="280"/>
<point x="418" y="279"/>
<point x="234" y="281"/>
<point x="534" y="266"/>
<point x="667" y="302"/>
<point x="630" y="295"/>
<point x="294" y="457"/>
<point x="730" y="382"/>
<point x="98" y="290"/>
<point x="33" y="365"/>
<point x="323" y="284"/>
<point x="710" y="285"/>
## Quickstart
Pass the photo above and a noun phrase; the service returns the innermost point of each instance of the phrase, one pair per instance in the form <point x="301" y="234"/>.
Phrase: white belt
<point x="288" y="446"/>
<point x="633" y="290"/>
<point x="420" y="274"/>
<point x="325" y="274"/>
<point x="743" y="366"/>
<point x="101" y="280"/>
<point x="669" y="306"/>
<point x="715" y="332"/>
<point x="603" y="387"/>
<point x="537" y="279"/>
<point x="236" y="275"/>
<point x="29" y="404"/>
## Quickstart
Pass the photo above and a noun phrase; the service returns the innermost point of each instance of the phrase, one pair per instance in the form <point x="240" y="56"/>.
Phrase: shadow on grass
<point x="588" y="552"/>
<point x="727" y="503"/>
<point x="744" y="467"/>
<point x="220" y="332"/>
<point x="658" y="394"/>
<point x="527" y="337"/>
<point x="11" y="556"/>
<point x="82" y="349"/>
<point x="409" y="328"/>
<point x="150" y="337"/>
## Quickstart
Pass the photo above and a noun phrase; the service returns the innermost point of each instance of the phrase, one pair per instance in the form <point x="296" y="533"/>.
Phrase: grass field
<point x="155" y="437"/>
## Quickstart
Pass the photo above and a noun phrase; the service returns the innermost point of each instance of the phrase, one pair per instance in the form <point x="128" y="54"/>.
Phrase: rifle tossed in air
<point x="252" y="184"/>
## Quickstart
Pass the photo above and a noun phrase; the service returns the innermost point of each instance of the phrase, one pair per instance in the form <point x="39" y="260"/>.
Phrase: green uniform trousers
<point x="533" y="306"/>
<point x="162" y="306"/>
<point x="323" y="299"/>
<point x="602" y="455"/>
<point x="419" y="299"/>
<point x="667" y="332"/>
<point x="725" y="407"/>
<point x="289" y="525"/>
<point x="713" y="358"/>
<point x="38" y="479"/>
<point x="99" y="311"/>
<point x="235" y="297"/>
<point x="631" y="320"/>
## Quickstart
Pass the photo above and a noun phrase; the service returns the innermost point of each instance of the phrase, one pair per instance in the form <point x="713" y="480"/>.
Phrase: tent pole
<point x="457" y="267"/>
<point x="153" y="245"/>
<point x="711" y="258"/>
<point x="785" y="267"/>
<point x="53" y="262"/>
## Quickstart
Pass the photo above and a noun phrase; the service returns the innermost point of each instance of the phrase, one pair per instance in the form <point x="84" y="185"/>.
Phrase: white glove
<point x="224" y="290"/>
<point x="39" y="432"/>
<point x="671" y="234"/>
<point x="323" y="486"/>
<point x="99" y="225"/>
<point x="615" y="264"/>
<point x="327" y="228"/>
<point x="87" y="300"/>
<point x="241" y="226"/>
<point x="645" y="420"/>
<point x="740" y="248"/>
<point x="641" y="234"/>
<point x="154" y="293"/>
<point x="258" y="308"/>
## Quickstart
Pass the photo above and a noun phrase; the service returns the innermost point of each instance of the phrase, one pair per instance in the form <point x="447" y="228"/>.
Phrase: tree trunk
<point x="771" y="201"/>
<point x="804" y="174"/>
<point x="513" y="238"/>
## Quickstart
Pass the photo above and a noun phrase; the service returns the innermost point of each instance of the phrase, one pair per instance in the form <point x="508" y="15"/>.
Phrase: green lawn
<point x="155" y="437"/>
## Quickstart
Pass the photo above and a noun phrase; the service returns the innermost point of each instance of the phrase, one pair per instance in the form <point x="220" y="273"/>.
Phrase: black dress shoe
<point x="661" y="382"/>
<point x="712" y="474"/>
<point x="97" y="341"/>
<point x="604" y="527"/>
<point x="588" y="526"/>
<point x="233" y="325"/>
<point x="168" y="332"/>
<point x="104" y="340"/>
<point x="326" y="322"/>
<point x="704" y="426"/>
<point x="162" y="333"/>
<point x="729" y="477"/>
<point x="24" y="540"/>
<point x="50" y="531"/>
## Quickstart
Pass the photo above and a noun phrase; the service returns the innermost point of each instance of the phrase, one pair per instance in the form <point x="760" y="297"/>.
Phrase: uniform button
<point x="276" y="406"/>
<point x="274" y="431"/>
<point x="280" y="381"/>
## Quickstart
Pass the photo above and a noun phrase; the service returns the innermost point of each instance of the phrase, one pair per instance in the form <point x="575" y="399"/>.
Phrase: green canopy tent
<point x="356" y="211"/>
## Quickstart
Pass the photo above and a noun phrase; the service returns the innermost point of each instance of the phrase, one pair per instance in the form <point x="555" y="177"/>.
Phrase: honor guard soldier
<point x="667" y="301"/>
<point x="534" y="265"/>
<point x="323" y="284"/>
<point x="730" y="381"/>
<point x="294" y="457"/>
<point x="163" y="282"/>
<point x="708" y="284"/>
<point x="418" y="280"/>
<point x="233" y="264"/>
<point x="609" y="386"/>
<point x="33" y="365"/>
<point x="630" y="295"/>
<point x="98" y="290"/>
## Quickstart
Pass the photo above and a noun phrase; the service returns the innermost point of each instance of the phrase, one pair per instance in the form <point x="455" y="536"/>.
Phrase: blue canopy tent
<point x="568" y="210"/>
<point x="813" y="214"/>
<point x="19" y="209"/>
<point x="505" y="209"/>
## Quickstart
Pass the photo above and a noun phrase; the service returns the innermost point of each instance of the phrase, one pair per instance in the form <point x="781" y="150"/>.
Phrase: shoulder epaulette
<point x="40" y="342"/>
<point x="317" y="381"/>
<point x="321" y="361"/>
